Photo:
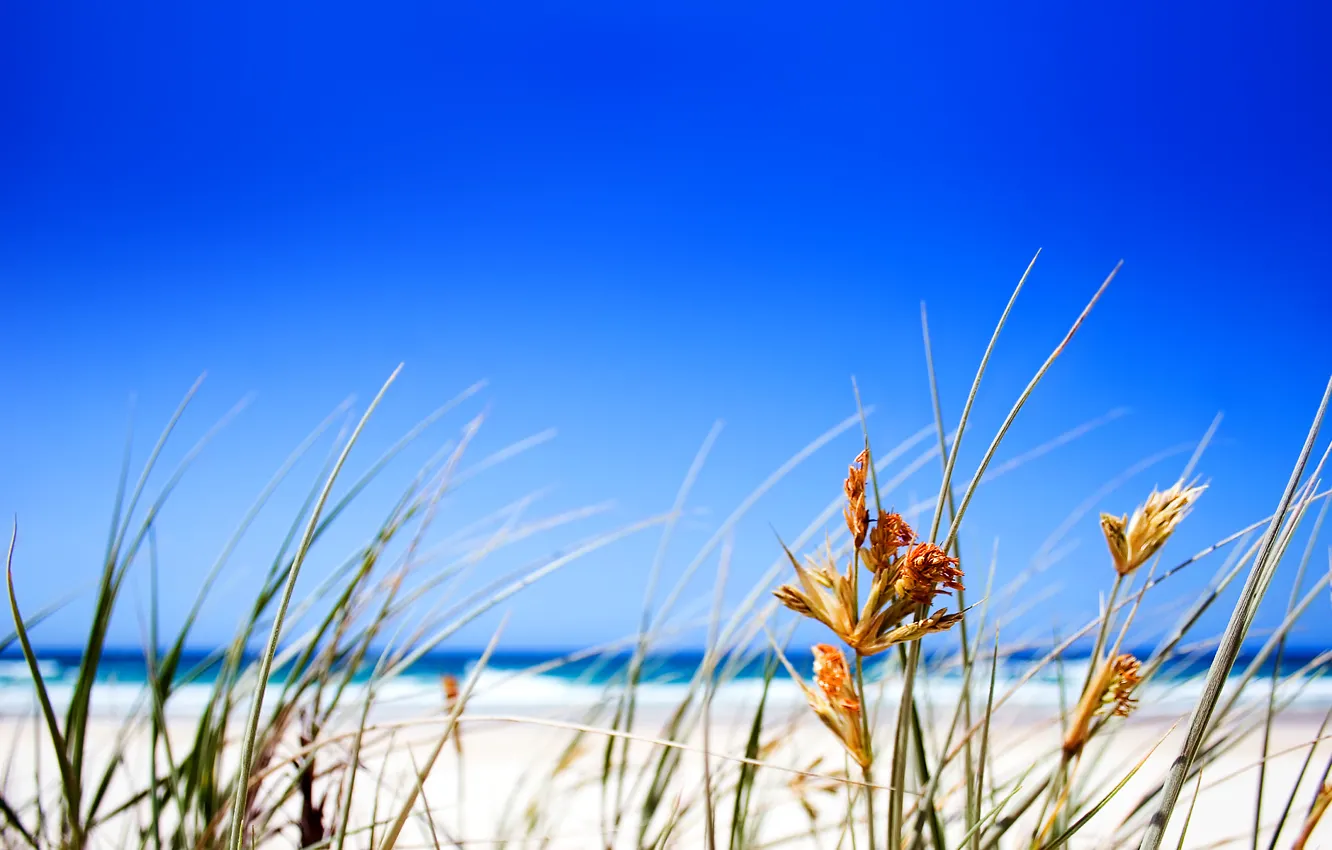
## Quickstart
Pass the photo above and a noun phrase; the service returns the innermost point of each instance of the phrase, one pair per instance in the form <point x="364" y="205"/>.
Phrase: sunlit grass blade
<point x="1188" y="817"/>
<point x="266" y="660"/>
<point x="1094" y="810"/>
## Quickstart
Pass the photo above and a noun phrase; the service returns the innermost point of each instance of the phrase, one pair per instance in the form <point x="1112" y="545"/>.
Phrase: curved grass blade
<point x="266" y="661"/>
<point x="68" y="779"/>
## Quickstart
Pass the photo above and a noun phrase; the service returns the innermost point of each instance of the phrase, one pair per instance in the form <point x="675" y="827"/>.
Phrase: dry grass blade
<point x="656" y="742"/>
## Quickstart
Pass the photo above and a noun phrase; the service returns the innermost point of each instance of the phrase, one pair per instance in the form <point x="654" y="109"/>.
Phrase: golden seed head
<point x="833" y="677"/>
<point x="1113" y="529"/>
<point x="1133" y="540"/>
<point x="1125" y="676"/>
<point x="821" y="593"/>
<point x="857" y="515"/>
<point x="1111" y="688"/>
<point x="925" y="572"/>
<point x="792" y="598"/>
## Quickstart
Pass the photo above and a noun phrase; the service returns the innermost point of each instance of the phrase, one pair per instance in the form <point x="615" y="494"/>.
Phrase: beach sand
<point x="512" y="789"/>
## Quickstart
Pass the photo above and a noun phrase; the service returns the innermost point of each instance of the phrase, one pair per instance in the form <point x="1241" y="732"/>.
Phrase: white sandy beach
<point x="507" y="765"/>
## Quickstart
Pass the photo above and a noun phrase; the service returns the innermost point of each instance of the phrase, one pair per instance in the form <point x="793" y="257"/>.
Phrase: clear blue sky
<point x="635" y="219"/>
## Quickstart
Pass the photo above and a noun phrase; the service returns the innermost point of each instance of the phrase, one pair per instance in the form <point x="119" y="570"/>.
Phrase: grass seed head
<point x="821" y="593"/>
<point x="857" y="514"/>
<point x="1124" y="678"/>
<point x="833" y="677"/>
<point x="889" y="535"/>
<point x="926" y="572"/>
<point x="1133" y="540"/>
<point x="1111" y="691"/>
<point x="834" y="701"/>
<point x="903" y="586"/>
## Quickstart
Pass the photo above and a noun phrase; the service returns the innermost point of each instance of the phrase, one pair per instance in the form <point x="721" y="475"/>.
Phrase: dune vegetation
<point x="289" y="749"/>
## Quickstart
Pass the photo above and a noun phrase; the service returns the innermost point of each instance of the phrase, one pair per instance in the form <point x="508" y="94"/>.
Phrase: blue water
<point x="129" y="666"/>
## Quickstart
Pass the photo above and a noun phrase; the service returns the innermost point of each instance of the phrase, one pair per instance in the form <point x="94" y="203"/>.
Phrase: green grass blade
<point x="945" y="487"/>
<point x="1017" y="406"/>
<point x="1184" y="827"/>
<point x="979" y="793"/>
<point x="744" y="786"/>
<point x="68" y="779"/>
<point x="266" y="661"/>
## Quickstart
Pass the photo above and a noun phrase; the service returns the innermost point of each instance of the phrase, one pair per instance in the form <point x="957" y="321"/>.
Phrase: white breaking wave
<point x="498" y="691"/>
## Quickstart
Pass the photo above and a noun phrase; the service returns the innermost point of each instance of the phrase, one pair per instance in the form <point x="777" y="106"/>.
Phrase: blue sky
<point x="637" y="219"/>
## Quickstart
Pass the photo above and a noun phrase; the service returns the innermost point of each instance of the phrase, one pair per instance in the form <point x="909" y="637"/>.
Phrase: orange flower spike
<point x="925" y="572"/>
<point x="833" y="677"/>
<point x="857" y="515"/>
<point x="834" y="701"/>
<point x="890" y="534"/>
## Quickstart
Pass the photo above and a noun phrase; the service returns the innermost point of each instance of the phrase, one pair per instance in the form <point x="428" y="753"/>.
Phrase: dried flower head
<point x="1124" y="677"/>
<point x="833" y="677"/>
<point x="1134" y="540"/>
<point x="822" y="593"/>
<point x="890" y="534"/>
<point x="834" y="701"/>
<point x="925" y="572"/>
<point x="857" y="515"/>
<point x="903" y="585"/>
<point x="1110" y="692"/>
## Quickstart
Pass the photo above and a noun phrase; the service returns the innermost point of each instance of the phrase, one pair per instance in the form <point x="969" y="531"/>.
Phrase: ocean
<point x="542" y="680"/>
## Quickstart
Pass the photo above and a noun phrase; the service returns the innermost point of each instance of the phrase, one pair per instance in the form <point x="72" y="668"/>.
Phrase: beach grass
<point x="289" y="750"/>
